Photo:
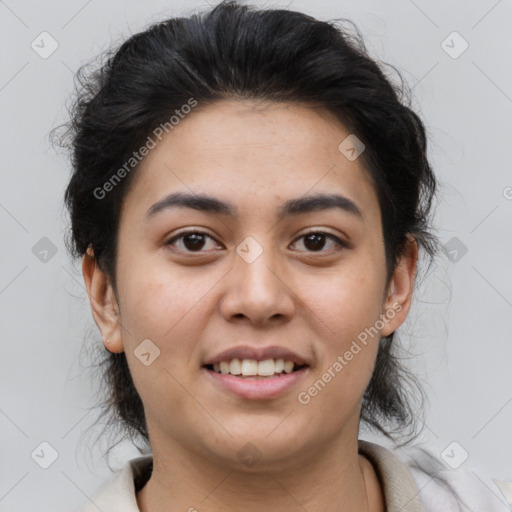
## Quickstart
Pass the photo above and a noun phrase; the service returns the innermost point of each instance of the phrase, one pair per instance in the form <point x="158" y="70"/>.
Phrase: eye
<point x="190" y="241"/>
<point x="315" y="241"/>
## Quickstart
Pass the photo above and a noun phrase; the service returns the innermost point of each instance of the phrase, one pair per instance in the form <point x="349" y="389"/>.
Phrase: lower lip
<point x="257" y="389"/>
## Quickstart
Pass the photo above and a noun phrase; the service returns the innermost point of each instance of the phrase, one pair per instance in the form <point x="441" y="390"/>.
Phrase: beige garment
<point x="407" y="487"/>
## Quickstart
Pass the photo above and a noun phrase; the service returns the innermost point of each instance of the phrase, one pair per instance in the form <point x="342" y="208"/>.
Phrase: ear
<point x="105" y="310"/>
<point x="400" y="288"/>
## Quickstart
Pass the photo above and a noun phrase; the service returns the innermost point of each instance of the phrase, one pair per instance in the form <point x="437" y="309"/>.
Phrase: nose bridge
<point x="256" y="290"/>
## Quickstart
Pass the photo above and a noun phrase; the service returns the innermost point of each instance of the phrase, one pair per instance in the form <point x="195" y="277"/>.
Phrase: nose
<point x="258" y="291"/>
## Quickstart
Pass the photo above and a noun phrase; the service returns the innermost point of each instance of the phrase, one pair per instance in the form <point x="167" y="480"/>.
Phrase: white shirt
<point x="406" y="485"/>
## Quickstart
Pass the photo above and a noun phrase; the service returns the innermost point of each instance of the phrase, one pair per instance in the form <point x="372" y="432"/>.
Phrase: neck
<point x="336" y="479"/>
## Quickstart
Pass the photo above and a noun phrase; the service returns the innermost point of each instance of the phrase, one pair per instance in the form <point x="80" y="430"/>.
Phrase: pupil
<point x="317" y="240"/>
<point x="194" y="241"/>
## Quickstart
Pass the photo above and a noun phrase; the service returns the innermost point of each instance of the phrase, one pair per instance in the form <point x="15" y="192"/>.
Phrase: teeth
<point x="288" y="366"/>
<point x="235" y="368"/>
<point x="266" y="367"/>
<point x="251" y="367"/>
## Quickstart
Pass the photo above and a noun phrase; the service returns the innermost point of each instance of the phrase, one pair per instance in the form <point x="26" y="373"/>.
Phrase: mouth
<point x="255" y="380"/>
<point x="252" y="369"/>
<point x="256" y="373"/>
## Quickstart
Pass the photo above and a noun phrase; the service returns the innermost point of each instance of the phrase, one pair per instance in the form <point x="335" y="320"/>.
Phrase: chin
<point x="259" y="450"/>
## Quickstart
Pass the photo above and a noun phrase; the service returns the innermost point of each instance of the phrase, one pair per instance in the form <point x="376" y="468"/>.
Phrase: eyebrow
<point x="297" y="206"/>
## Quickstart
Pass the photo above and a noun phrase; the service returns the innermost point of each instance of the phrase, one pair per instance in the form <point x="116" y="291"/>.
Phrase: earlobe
<point x="401" y="287"/>
<point x="104" y="307"/>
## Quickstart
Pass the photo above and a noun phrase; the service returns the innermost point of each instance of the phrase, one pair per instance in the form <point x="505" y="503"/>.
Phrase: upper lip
<point x="257" y="353"/>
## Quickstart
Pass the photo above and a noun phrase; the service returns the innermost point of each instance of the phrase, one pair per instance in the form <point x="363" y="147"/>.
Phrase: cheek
<point x="347" y="302"/>
<point x="167" y="310"/>
<point x="157" y="302"/>
<point x="346" y="307"/>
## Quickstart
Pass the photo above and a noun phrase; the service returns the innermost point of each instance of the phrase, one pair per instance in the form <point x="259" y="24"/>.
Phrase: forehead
<point x="253" y="152"/>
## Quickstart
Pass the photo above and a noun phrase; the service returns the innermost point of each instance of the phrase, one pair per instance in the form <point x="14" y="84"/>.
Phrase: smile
<point x="253" y="368"/>
<point x="247" y="382"/>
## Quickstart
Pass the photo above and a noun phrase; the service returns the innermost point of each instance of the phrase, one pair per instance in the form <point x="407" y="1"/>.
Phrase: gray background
<point x="459" y="329"/>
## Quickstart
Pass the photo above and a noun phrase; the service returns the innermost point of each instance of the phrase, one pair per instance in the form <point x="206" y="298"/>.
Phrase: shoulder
<point x="414" y="480"/>
<point x="437" y="486"/>
<point x="472" y="489"/>
<point x="119" y="493"/>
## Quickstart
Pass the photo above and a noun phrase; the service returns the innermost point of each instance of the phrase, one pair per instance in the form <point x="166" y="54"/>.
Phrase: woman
<point x="249" y="198"/>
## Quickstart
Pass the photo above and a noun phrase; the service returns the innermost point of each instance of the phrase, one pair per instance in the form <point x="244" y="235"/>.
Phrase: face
<point x="259" y="272"/>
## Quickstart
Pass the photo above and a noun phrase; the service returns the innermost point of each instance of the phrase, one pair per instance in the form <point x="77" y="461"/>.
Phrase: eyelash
<point x="340" y="243"/>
